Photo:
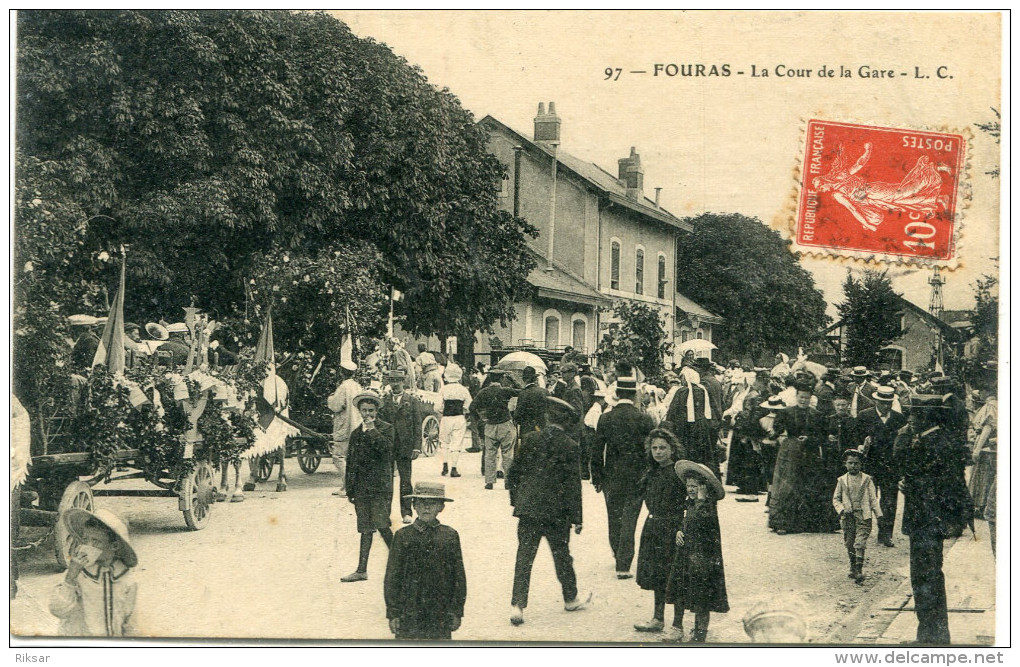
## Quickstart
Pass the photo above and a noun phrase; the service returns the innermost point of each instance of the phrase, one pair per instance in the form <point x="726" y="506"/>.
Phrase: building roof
<point x="599" y="178"/>
<point x="559" y="284"/>
<point x="690" y="308"/>
<point x="946" y="328"/>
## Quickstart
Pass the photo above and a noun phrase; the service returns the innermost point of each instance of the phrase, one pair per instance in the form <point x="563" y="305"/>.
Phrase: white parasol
<point x="696" y="345"/>
<point x="517" y="360"/>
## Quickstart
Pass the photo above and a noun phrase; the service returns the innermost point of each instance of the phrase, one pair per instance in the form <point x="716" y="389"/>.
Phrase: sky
<point x="726" y="144"/>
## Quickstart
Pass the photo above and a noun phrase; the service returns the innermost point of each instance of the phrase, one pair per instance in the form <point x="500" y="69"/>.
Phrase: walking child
<point x="697" y="579"/>
<point x="97" y="596"/>
<point x="664" y="495"/>
<point x="425" y="586"/>
<point x="856" y="502"/>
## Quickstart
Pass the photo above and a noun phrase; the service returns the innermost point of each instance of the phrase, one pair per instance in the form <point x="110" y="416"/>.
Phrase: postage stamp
<point x="879" y="191"/>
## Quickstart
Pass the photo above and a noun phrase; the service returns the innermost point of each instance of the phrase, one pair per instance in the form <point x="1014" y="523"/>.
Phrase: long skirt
<point x="656" y="553"/>
<point x="786" y="497"/>
<point x="744" y="468"/>
<point x="981" y="477"/>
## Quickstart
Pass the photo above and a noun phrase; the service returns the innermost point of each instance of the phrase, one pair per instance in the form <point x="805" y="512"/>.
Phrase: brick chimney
<point x="632" y="176"/>
<point x="547" y="125"/>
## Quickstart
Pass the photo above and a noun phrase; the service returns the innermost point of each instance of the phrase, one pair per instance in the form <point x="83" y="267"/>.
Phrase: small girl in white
<point x="97" y="596"/>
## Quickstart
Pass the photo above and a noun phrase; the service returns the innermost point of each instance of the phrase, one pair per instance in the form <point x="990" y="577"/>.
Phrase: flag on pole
<point x="265" y="351"/>
<point x="110" y="352"/>
<point x="347" y="342"/>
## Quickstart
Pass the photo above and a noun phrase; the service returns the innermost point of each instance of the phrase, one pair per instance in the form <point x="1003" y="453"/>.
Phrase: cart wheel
<point x="264" y="469"/>
<point x="429" y="436"/>
<point x="197" y="496"/>
<point x="77" y="494"/>
<point x="309" y="458"/>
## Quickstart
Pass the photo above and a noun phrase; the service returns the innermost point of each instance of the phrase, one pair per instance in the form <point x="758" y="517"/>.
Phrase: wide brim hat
<point x="367" y="396"/>
<point x="394" y="374"/>
<point x="886" y="394"/>
<point x="429" y="491"/>
<point x="774" y="403"/>
<point x="157" y="331"/>
<point x="76" y="519"/>
<point x="560" y="408"/>
<point x="860" y="372"/>
<point x="683" y="468"/>
<point x="852" y="452"/>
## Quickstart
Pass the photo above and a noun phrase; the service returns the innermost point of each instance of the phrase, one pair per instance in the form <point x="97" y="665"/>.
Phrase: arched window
<point x="662" y="277"/>
<point x="614" y="265"/>
<point x="552" y="329"/>
<point x="579" y="332"/>
<point x="639" y="271"/>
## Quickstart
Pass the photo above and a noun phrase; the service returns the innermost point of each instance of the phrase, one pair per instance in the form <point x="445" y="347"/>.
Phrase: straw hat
<point x="769" y="624"/>
<point x="369" y="396"/>
<point x="76" y="519"/>
<point x="683" y="468"/>
<point x="82" y="320"/>
<point x="157" y="331"/>
<point x="860" y="372"/>
<point x="774" y="403"/>
<point x="429" y="491"/>
<point x="884" y="394"/>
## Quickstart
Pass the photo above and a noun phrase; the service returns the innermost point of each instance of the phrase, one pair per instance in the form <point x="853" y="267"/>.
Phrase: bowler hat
<point x="429" y="491"/>
<point x="685" y="468"/>
<point x="76" y="519"/>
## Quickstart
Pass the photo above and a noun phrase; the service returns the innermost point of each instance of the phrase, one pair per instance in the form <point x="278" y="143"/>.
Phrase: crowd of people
<point x="830" y="450"/>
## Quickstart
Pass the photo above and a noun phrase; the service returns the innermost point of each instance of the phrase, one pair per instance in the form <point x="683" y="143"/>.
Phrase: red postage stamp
<point x="879" y="191"/>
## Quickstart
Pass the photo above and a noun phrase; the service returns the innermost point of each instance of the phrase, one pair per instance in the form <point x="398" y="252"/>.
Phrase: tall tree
<point x="206" y="140"/>
<point x="640" y="338"/>
<point x="870" y="313"/>
<point x="738" y="268"/>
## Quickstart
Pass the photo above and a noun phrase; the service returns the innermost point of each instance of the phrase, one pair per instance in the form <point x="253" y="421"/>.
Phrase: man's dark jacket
<point x="619" y="459"/>
<point x="406" y="421"/>
<point x="879" y="462"/>
<point x="370" y="462"/>
<point x="530" y="411"/>
<point x="543" y="479"/>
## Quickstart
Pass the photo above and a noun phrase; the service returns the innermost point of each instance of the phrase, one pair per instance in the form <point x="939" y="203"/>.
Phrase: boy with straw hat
<point x="97" y="596"/>
<point x="425" y="585"/>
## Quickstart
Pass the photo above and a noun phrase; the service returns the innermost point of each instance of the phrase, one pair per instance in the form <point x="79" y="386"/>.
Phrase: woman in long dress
<point x="982" y="475"/>
<point x="799" y="462"/>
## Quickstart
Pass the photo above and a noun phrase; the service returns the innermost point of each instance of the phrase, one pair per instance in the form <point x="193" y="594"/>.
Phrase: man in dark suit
<point x="405" y="413"/>
<point x="530" y="411"/>
<point x="935" y="501"/>
<point x="545" y="491"/>
<point x="567" y="389"/>
<point x="878" y="426"/>
<point x="369" y="482"/>
<point x="863" y="387"/>
<point x="618" y="462"/>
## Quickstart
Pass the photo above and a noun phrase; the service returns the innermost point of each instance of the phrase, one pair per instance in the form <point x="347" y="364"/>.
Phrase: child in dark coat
<point x="425" y="586"/>
<point x="697" y="579"/>
<point x="664" y="495"/>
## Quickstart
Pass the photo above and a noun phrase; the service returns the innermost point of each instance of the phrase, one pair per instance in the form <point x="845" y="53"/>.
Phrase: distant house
<point x="600" y="239"/>
<point x="913" y="349"/>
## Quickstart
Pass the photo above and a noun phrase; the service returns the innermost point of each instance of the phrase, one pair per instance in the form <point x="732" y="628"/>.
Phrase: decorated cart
<point x="171" y="427"/>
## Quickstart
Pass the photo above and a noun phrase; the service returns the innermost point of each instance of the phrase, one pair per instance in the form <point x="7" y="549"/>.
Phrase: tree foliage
<point x="870" y="313"/>
<point x="211" y="143"/>
<point x="984" y="317"/>
<point x="741" y="270"/>
<point x="640" y="338"/>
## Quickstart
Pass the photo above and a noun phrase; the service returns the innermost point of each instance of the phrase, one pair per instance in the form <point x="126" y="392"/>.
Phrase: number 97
<point x="613" y="73"/>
